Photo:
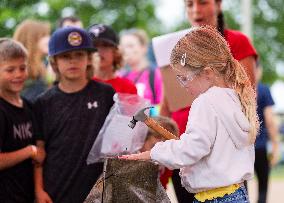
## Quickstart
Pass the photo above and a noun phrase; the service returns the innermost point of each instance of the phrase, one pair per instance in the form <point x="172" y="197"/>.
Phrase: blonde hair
<point x="11" y="49"/>
<point x="205" y="47"/>
<point x="89" y="72"/>
<point x="29" y="32"/>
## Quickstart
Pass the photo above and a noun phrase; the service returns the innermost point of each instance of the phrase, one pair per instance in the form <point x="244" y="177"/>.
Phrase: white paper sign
<point x="164" y="44"/>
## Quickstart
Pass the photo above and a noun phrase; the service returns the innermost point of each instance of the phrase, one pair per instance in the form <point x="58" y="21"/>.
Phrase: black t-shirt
<point x="69" y="125"/>
<point x="16" y="132"/>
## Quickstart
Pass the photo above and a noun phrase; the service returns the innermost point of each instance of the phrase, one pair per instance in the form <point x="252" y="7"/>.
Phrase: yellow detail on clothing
<point x="217" y="192"/>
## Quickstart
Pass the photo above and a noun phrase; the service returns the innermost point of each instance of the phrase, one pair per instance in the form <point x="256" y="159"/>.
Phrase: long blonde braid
<point x="240" y="82"/>
<point x="205" y="47"/>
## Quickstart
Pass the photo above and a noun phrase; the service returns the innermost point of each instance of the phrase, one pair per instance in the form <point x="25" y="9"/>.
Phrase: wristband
<point x="34" y="151"/>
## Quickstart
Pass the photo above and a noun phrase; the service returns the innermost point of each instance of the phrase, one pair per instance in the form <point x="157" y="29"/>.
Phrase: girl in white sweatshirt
<point x="216" y="153"/>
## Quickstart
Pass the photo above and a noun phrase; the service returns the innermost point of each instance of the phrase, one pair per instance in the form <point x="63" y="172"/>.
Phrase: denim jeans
<point x="239" y="196"/>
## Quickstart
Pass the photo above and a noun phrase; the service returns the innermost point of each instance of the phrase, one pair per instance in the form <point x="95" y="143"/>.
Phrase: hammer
<point x="141" y="116"/>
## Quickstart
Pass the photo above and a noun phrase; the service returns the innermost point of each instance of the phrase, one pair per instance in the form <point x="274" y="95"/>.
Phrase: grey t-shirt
<point x="69" y="124"/>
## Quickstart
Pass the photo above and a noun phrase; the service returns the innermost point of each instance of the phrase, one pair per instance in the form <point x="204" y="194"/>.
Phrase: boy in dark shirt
<point x="16" y="128"/>
<point x="70" y="115"/>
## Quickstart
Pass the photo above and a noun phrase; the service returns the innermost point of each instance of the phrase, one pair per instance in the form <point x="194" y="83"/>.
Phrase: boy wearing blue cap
<point x="70" y="116"/>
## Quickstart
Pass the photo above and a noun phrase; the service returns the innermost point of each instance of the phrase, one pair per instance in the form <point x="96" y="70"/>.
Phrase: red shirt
<point x="164" y="177"/>
<point x="240" y="44"/>
<point x="241" y="48"/>
<point x="121" y="85"/>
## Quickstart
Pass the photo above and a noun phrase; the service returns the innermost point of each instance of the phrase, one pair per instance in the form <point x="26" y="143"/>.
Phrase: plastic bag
<point x="116" y="137"/>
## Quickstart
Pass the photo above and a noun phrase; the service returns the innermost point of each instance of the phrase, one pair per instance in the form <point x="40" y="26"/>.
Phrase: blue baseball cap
<point x="69" y="39"/>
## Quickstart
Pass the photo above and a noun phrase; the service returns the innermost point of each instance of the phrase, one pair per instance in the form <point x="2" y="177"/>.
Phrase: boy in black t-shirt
<point x="70" y="116"/>
<point x="16" y="128"/>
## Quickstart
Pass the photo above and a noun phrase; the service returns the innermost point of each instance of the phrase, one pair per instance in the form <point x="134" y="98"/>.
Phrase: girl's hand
<point x="139" y="156"/>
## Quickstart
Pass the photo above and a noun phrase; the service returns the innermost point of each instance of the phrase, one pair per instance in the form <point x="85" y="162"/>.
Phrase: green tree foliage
<point x="120" y="14"/>
<point x="269" y="35"/>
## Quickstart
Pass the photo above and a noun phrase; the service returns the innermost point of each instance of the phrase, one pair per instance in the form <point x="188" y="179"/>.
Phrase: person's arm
<point x="270" y="123"/>
<point x="10" y="159"/>
<point x="176" y="154"/>
<point x="249" y="64"/>
<point x="40" y="194"/>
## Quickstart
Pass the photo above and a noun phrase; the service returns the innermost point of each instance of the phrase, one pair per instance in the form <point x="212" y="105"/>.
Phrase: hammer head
<point x="139" y="116"/>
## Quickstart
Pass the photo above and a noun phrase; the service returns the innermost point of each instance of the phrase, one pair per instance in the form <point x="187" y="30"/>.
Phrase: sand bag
<point x="126" y="181"/>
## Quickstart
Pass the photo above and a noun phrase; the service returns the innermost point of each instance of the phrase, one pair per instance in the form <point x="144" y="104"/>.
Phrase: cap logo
<point x="183" y="59"/>
<point x="97" y="30"/>
<point x="75" y="39"/>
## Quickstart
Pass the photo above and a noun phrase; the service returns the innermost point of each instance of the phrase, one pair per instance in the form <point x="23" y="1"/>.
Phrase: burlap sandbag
<point x="126" y="181"/>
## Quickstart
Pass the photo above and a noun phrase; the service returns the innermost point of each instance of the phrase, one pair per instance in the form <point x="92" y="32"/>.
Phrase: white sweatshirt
<point x="214" y="151"/>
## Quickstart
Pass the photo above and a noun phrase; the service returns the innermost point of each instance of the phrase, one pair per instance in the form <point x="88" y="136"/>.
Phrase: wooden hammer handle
<point x="159" y="129"/>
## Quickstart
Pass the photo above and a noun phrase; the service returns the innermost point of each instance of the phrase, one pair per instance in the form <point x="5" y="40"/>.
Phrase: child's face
<point x="72" y="65"/>
<point x="133" y="50"/>
<point x="195" y="82"/>
<point x="13" y="74"/>
<point x="106" y="54"/>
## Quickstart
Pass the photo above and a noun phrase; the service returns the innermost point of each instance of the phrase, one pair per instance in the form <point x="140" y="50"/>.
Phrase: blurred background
<point x="158" y="17"/>
<point x="261" y="20"/>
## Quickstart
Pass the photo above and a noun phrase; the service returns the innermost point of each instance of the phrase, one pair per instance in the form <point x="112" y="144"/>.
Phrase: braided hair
<point x="205" y="47"/>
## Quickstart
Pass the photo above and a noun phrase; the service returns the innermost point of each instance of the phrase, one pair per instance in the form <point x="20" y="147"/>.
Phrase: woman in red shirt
<point x="209" y="12"/>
